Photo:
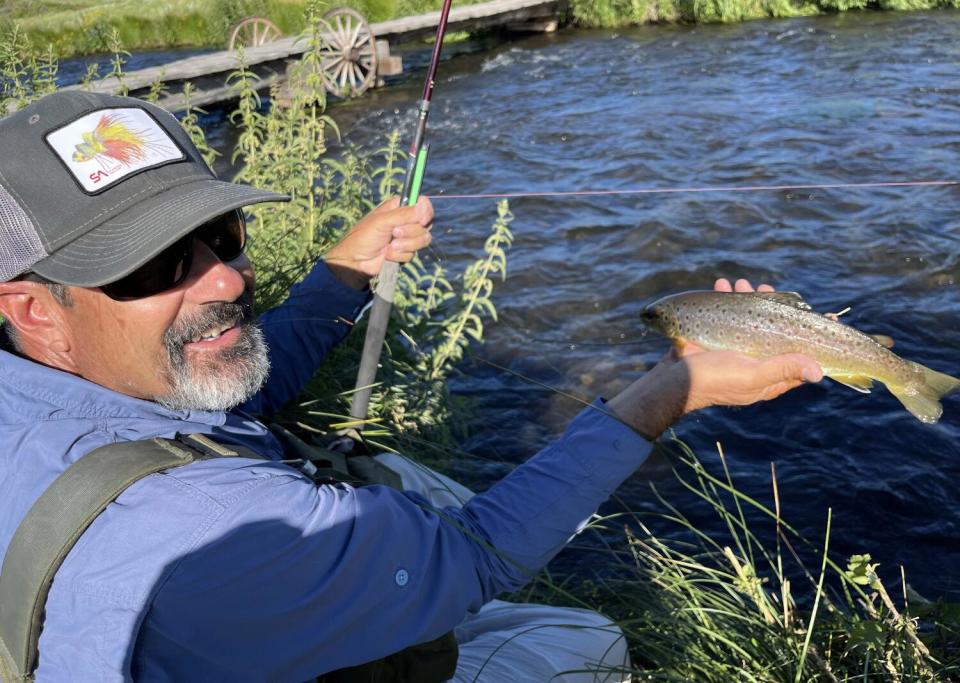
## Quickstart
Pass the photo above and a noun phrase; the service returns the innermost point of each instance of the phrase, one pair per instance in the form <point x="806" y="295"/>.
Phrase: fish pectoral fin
<point x="861" y="383"/>
<point x="787" y="299"/>
<point x="882" y="340"/>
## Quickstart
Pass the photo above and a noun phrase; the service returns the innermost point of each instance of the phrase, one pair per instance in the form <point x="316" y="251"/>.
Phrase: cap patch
<point x="103" y="147"/>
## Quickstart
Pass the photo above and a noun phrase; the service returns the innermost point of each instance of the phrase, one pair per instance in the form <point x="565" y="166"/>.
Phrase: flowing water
<point x="850" y="98"/>
<point x="853" y="98"/>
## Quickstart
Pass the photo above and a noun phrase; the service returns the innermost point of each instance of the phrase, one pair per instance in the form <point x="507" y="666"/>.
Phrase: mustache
<point x="239" y="312"/>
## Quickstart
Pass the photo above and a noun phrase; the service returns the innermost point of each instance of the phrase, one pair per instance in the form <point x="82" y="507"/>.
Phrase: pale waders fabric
<point x="522" y="643"/>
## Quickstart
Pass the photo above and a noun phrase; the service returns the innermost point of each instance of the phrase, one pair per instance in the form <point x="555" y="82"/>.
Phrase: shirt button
<point x="401" y="578"/>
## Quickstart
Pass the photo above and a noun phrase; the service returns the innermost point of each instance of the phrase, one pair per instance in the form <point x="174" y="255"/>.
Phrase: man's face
<point x="194" y="346"/>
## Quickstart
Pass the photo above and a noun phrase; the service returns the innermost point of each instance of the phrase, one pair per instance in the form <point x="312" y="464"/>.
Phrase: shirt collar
<point x="45" y="392"/>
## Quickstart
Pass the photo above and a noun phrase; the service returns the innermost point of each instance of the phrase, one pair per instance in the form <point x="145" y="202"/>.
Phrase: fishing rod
<point x="387" y="279"/>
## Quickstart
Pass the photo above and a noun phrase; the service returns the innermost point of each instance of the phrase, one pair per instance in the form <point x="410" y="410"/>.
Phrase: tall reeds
<point x="754" y="600"/>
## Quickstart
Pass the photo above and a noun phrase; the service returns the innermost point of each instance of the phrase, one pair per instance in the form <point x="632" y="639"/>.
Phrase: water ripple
<point x="850" y="98"/>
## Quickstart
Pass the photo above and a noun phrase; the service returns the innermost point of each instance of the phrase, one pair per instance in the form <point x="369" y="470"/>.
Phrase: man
<point x="127" y="298"/>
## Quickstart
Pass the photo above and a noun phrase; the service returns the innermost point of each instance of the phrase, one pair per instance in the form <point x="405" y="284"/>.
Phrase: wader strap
<point x="52" y="526"/>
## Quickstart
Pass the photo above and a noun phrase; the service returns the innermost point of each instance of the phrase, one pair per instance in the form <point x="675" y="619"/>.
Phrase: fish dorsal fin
<point x="861" y="383"/>
<point x="787" y="299"/>
<point x="882" y="340"/>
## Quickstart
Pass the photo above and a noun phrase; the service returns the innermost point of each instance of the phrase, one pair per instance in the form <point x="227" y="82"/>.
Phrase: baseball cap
<point x="92" y="186"/>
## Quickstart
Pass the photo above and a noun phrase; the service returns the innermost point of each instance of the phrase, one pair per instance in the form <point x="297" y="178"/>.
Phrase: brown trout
<point x="761" y="324"/>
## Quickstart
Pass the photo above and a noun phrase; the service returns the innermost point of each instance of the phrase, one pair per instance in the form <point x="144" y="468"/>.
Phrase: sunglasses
<point x="226" y="237"/>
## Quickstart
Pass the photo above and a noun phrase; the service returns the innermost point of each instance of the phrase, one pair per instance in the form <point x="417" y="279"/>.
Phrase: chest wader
<point x="70" y="504"/>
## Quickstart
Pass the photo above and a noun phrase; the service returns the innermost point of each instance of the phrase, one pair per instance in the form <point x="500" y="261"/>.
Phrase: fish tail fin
<point x="923" y="398"/>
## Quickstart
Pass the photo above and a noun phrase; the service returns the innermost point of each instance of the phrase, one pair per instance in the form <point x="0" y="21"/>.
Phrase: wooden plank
<point x="470" y="17"/>
<point x="200" y="98"/>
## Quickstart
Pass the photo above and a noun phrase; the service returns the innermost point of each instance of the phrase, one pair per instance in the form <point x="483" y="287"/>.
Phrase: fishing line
<point x="702" y="190"/>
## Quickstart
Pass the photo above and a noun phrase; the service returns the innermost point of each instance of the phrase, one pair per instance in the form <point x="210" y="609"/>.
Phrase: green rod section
<point x="418" y="174"/>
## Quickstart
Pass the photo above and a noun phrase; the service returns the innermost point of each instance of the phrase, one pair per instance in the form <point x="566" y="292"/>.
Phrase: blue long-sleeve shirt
<point x="237" y="569"/>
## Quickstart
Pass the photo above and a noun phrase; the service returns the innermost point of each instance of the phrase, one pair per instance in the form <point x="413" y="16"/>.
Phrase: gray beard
<point x="223" y="382"/>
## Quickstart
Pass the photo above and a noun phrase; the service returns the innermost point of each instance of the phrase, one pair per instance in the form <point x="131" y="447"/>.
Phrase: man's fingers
<point x="723" y="285"/>
<point x="419" y="216"/>
<point x="387" y="205"/>
<point x="403" y="249"/>
<point x="409" y="230"/>
<point x="793" y="367"/>
<point x="424" y="211"/>
<point x="742" y="285"/>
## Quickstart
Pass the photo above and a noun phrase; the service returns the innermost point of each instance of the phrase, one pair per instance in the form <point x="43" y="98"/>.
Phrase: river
<point x="848" y="98"/>
<point x="858" y="97"/>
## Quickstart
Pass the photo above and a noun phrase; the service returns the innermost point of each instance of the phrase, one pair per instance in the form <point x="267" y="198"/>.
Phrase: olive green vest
<point x="70" y="504"/>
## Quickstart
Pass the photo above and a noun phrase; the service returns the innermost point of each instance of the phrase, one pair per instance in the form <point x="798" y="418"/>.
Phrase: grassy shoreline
<point x="615" y="13"/>
<point x="81" y="27"/>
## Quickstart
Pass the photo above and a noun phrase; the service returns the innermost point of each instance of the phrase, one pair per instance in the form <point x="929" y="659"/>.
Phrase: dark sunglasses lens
<point x="163" y="271"/>
<point x="226" y="235"/>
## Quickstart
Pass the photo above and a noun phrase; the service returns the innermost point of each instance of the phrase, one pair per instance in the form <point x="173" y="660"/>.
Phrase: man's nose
<point x="210" y="278"/>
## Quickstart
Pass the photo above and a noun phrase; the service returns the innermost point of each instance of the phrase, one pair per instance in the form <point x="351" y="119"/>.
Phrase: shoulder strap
<point x="52" y="526"/>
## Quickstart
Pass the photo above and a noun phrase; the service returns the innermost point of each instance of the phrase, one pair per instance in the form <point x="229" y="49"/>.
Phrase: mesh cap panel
<point x="20" y="245"/>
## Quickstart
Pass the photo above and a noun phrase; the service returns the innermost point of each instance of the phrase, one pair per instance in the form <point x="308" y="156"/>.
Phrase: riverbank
<point x="81" y="27"/>
<point x="615" y="13"/>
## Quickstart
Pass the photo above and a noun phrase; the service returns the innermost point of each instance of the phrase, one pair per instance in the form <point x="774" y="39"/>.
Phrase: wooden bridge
<point x="356" y="54"/>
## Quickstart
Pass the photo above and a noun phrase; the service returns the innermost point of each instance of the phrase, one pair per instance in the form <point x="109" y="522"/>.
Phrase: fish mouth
<point x="650" y="316"/>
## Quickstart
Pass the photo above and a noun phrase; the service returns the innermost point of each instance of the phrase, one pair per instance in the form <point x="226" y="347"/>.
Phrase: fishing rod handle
<point x="383" y="301"/>
<point x="373" y="343"/>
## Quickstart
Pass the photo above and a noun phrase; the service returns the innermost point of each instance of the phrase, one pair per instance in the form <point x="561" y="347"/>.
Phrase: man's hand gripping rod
<point x="387" y="279"/>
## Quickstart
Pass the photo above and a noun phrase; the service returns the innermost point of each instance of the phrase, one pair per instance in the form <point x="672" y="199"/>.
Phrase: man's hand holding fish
<point x="691" y="378"/>
<point x="789" y="342"/>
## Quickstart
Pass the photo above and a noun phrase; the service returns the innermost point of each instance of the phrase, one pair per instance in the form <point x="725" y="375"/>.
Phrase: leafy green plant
<point x="843" y="5"/>
<point x="25" y="75"/>
<point x="437" y="315"/>
<point x="742" y="605"/>
<point x="191" y="123"/>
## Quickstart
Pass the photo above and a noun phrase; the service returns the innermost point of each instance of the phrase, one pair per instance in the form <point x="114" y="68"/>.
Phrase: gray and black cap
<point x="93" y="186"/>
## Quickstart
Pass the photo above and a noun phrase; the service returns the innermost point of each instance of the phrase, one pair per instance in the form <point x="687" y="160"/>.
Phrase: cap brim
<point x="127" y="241"/>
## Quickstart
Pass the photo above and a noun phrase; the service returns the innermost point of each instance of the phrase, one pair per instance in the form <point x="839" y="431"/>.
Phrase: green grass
<point x="755" y="601"/>
<point x="77" y="27"/>
<point x="611" y="13"/>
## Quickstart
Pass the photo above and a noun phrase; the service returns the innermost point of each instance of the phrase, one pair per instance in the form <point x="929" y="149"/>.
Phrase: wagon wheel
<point x="348" y="52"/>
<point x="254" y="31"/>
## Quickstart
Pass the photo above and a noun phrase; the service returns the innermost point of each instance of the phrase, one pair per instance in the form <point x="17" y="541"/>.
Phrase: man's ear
<point x="34" y="313"/>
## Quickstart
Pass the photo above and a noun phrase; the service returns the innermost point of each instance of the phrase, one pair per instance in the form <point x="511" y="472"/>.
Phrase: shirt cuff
<point x="347" y="301"/>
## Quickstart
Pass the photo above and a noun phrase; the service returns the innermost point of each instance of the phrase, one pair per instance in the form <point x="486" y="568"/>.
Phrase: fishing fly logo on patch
<point x="106" y="146"/>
